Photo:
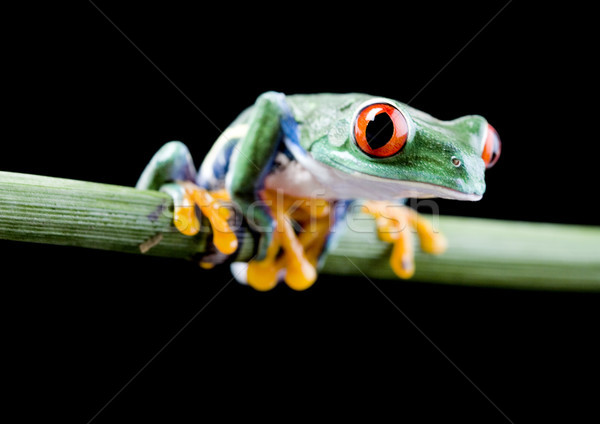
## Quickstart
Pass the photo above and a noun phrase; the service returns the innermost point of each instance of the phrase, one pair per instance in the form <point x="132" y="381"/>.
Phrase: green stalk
<point x="481" y="252"/>
<point x="485" y="252"/>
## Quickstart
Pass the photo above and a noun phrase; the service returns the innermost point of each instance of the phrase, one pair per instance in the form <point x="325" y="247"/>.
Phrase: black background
<point x="82" y="102"/>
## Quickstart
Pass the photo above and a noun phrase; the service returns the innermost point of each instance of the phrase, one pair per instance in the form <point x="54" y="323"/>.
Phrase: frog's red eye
<point x="380" y="130"/>
<point x="491" y="148"/>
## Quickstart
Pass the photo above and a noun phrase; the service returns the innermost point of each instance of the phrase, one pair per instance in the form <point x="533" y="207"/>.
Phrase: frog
<point x="291" y="165"/>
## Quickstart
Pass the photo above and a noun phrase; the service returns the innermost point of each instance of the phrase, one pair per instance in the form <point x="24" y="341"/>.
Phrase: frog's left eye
<point x="380" y="130"/>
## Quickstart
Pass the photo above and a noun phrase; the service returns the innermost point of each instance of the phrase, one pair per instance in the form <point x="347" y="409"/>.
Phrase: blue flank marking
<point x="289" y="126"/>
<point x="219" y="167"/>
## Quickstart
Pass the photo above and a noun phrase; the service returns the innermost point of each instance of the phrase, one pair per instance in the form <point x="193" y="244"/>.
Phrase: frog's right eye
<point x="380" y="130"/>
<point x="491" y="147"/>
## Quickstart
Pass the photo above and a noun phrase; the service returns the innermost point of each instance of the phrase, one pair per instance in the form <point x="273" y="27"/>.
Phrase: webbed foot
<point x="395" y="224"/>
<point x="187" y="196"/>
<point x="293" y="255"/>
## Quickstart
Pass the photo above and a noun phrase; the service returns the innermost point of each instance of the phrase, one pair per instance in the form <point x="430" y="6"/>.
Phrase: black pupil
<point x="379" y="131"/>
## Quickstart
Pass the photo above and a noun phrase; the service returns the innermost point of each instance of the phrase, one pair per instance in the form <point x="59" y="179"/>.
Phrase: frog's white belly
<point x="305" y="177"/>
<point x="289" y="176"/>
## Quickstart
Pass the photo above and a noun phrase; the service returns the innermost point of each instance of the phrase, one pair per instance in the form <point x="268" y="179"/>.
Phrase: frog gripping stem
<point x="171" y="170"/>
<point x="395" y="224"/>
<point x="323" y="149"/>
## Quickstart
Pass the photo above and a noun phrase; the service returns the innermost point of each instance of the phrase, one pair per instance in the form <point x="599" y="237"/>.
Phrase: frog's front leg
<point x="279" y="246"/>
<point x="172" y="170"/>
<point x="395" y="224"/>
<point x="295" y="254"/>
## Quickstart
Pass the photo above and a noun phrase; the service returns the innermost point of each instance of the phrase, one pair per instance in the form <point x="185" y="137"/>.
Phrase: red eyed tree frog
<point x="291" y="165"/>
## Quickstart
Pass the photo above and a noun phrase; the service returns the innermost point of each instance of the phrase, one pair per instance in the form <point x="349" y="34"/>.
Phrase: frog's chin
<point x="403" y="189"/>
<point x="377" y="188"/>
<point x="352" y="184"/>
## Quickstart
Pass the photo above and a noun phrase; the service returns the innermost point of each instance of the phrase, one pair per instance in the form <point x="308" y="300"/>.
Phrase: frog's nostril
<point x="491" y="147"/>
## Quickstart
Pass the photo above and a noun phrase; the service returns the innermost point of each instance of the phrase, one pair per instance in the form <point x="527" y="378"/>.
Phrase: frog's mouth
<point x="349" y="184"/>
<point x="425" y="190"/>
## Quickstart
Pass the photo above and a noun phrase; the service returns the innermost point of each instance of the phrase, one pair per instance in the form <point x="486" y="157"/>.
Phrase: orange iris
<point x="380" y="130"/>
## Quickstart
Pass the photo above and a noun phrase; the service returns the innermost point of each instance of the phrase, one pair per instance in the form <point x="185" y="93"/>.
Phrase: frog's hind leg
<point x="172" y="170"/>
<point x="395" y="224"/>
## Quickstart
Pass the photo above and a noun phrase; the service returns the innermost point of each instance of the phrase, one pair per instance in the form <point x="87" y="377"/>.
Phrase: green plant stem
<point x="487" y="252"/>
<point x="481" y="251"/>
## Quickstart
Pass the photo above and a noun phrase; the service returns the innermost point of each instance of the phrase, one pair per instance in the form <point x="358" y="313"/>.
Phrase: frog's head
<point x="398" y="151"/>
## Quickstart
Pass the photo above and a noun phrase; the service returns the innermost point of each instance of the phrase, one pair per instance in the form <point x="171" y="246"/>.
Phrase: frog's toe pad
<point x="402" y="259"/>
<point x="300" y="276"/>
<point x="262" y="275"/>
<point x="434" y="243"/>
